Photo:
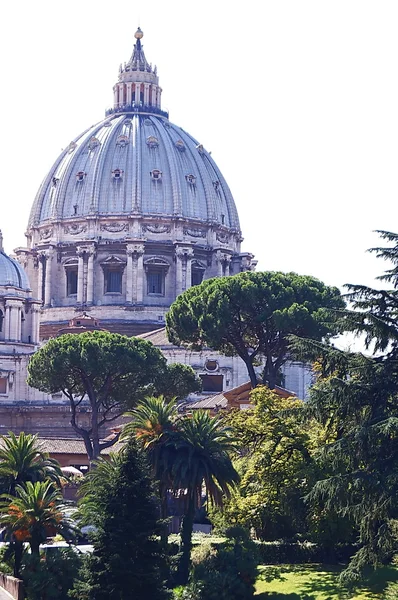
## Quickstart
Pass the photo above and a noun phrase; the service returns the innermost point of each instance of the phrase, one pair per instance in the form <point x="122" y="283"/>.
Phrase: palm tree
<point x="22" y="460"/>
<point x="34" y="513"/>
<point x="202" y="464"/>
<point x="154" y="425"/>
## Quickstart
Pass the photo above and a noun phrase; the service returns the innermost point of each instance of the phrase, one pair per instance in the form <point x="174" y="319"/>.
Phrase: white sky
<point x="296" y="99"/>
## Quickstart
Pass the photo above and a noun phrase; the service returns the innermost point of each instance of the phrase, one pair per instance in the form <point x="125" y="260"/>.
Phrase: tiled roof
<point x="157" y="337"/>
<point x="70" y="446"/>
<point x="211" y="402"/>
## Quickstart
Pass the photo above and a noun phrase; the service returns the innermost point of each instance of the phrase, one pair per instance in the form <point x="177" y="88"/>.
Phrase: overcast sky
<point x="296" y="100"/>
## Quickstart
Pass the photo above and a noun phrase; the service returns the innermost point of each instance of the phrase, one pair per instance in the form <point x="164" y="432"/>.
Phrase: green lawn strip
<point x="317" y="582"/>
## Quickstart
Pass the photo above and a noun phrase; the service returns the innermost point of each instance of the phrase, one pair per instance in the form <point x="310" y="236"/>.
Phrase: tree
<point x="22" y="460"/>
<point x="176" y="382"/>
<point x="35" y="513"/>
<point x="106" y="370"/>
<point x="202" y="462"/>
<point x="356" y="400"/>
<point x="276" y="460"/>
<point x="252" y="315"/>
<point x="127" y="561"/>
<point x="153" y="424"/>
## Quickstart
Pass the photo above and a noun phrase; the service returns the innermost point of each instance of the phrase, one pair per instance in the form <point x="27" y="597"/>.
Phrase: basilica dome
<point x="12" y="274"/>
<point x="132" y="213"/>
<point x="137" y="164"/>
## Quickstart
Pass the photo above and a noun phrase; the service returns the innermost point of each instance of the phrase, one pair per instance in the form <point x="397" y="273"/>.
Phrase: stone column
<point x="146" y="93"/>
<point x="80" y="275"/>
<point x="90" y="276"/>
<point x="129" y="273"/>
<point x="153" y="103"/>
<point x="179" y="263"/>
<point x="47" y="283"/>
<point x="14" y="320"/>
<point x="35" y="323"/>
<point x="40" y="278"/>
<point x="135" y="271"/>
<point x="138" y="284"/>
<point x="220" y="266"/>
<point x="137" y="93"/>
<point x="188" y="268"/>
<point x="129" y="85"/>
<point x="115" y="96"/>
<point x="7" y="321"/>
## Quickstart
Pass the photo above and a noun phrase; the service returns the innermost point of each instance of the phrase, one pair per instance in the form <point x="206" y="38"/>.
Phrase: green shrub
<point x="224" y="571"/>
<point x="279" y="553"/>
<point x="51" y="576"/>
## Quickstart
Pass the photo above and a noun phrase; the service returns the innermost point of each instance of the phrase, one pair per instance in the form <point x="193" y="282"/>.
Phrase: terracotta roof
<point x="70" y="446"/>
<point x="158" y="337"/>
<point x="211" y="402"/>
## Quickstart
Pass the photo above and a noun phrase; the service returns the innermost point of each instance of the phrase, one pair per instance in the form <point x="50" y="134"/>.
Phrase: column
<point x="153" y="103"/>
<point x="140" y="273"/>
<point x="220" y="260"/>
<point x="129" y="85"/>
<point x="40" y="278"/>
<point x="47" y="283"/>
<point x="90" y="276"/>
<point x="115" y="96"/>
<point x="159" y="97"/>
<point x="146" y="94"/>
<point x="35" y="324"/>
<point x="80" y="275"/>
<point x="129" y="273"/>
<point x="137" y="93"/>
<point x="227" y="263"/>
<point x="188" y="269"/>
<point x="179" y="259"/>
<point x="14" y="318"/>
<point x="7" y="321"/>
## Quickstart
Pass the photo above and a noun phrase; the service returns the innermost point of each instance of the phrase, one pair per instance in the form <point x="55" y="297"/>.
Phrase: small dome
<point x="12" y="274"/>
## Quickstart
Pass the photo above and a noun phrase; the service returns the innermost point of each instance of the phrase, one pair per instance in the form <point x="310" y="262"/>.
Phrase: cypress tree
<point x="127" y="561"/>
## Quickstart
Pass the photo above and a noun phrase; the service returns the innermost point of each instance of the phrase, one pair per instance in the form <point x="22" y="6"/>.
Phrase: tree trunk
<point x="35" y="547"/>
<point x="164" y="531"/>
<point x="18" y="552"/>
<point x="251" y="373"/>
<point x="186" y="544"/>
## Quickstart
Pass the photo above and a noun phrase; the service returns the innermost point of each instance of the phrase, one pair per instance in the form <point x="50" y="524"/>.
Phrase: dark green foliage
<point x="252" y="315"/>
<point x="127" y="561"/>
<point x="177" y="381"/>
<point x="356" y="400"/>
<point x="281" y="553"/>
<point x="106" y="370"/>
<point x="51" y="576"/>
<point x="227" y="572"/>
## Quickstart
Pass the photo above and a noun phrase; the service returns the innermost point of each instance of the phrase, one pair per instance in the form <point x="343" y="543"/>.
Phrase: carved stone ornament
<point x="93" y="143"/>
<point x="46" y="233"/>
<point x="75" y="229"/>
<point x="197" y="233"/>
<point x="156" y="228"/>
<point x="221" y="236"/>
<point x="114" y="227"/>
<point x="72" y="146"/>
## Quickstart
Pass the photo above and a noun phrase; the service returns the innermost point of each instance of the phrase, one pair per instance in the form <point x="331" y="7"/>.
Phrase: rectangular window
<point x="3" y="385"/>
<point x="155" y="282"/>
<point x="197" y="276"/>
<point x="212" y="383"/>
<point x="71" y="282"/>
<point x="113" y="280"/>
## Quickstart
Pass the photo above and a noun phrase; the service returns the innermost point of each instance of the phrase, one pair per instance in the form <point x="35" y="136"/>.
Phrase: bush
<point x="51" y="576"/>
<point x="279" y="553"/>
<point x="226" y="571"/>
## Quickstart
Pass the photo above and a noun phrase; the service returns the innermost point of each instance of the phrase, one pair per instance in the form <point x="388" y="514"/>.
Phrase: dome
<point x="12" y="274"/>
<point x="138" y="164"/>
<point x="133" y="212"/>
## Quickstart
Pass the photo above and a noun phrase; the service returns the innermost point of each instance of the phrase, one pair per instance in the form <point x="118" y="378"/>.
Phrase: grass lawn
<point x="317" y="582"/>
